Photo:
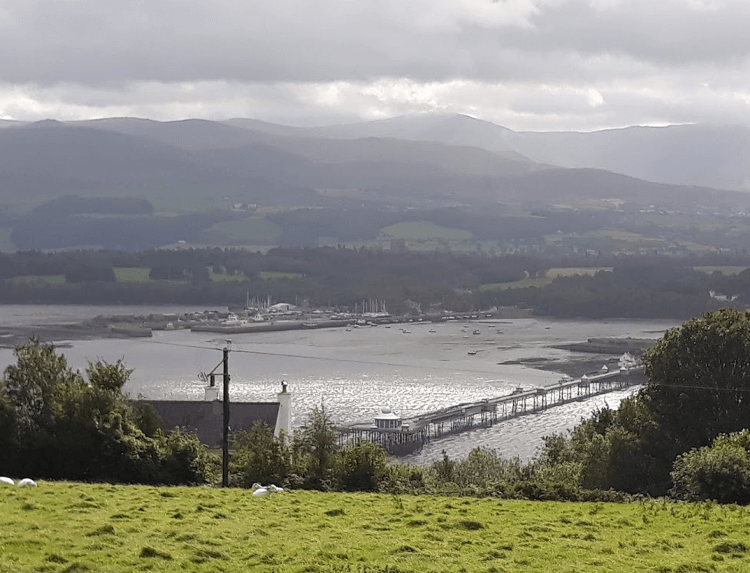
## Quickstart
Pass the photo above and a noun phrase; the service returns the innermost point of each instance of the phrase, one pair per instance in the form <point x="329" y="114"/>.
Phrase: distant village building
<point x="281" y="307"/>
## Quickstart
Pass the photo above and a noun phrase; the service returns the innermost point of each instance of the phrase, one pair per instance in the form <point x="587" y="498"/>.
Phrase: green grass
<point x="65" y="527"/>
<point x="575" y="271"/>
<point x="523" y="283"/>
<point x="38" y="280"/>
<point x="549" y="276"/>
<point x="625" y="236"/>
<point x="253" y="230"/>
<point x="225" y="277"/>
<point x="725" y="270"/>
<point x="131" y="274"/>
<point x="423" y="231"/>
<point x="277" y="276"/>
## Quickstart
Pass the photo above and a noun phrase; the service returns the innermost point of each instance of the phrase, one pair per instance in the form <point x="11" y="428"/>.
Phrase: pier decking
<point x="415" y="431"/>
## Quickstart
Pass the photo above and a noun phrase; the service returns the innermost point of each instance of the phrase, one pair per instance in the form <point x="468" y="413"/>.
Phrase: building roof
<point x="206" y="418"/>
<point x="387" y="414"/>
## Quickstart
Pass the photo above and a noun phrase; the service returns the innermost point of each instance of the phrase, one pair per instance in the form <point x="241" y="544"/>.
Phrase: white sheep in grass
<point x="264" y="491"/>
<point x="26" y="482"/>
<point x="7" y="480"/>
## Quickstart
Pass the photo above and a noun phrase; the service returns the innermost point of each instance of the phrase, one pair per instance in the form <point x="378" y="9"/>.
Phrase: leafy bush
<point x="184" y="459"/>
<point x="313" y="447"/>
<point x="259" y="456"/>
<point x="54" y="423"/>
<point x="361" y="467"/>
<point x="403" y="478"/>
<point x="720" y="472"/>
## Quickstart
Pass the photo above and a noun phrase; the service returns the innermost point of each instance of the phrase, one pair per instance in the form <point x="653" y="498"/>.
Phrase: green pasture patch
<point x="725" y="270"/>
<point x="132" y="274"/>
<point x="38" y="280"/>
<point x="253" y="230"/>
<point x="225" y="277"/>
<point x="557" y="238"/>
<point x="575" y="271"/>
<point x="625" y="236"/>
<point x="423" y="231"/>
<point x="278" y="276"/>
<point x="697" y="247"/>
<point x="548" y="277"/>
<point x="523" y="283"/>
<point x="134" y="528"/>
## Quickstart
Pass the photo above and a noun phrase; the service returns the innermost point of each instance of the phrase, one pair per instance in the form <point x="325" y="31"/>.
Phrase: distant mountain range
<point x="701" y="155"/>
<point x="412" y="160"/>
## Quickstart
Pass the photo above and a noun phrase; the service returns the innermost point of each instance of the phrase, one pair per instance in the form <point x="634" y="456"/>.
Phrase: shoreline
<point x="587" y="357"/>
<point x="142" y="325"/>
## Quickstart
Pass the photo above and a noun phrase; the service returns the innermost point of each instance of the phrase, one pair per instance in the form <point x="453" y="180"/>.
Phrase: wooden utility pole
<point x="225" y="438"/>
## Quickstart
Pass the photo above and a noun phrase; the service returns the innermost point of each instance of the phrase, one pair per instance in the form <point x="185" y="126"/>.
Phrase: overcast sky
<point x="526" y="64"/>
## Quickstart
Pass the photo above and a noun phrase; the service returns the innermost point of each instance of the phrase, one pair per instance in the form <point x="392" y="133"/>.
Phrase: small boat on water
<point x="472" y="353"/>
<point x="477" y="332"/>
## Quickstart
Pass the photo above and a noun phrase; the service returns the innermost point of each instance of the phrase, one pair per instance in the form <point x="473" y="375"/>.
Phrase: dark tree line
<point x="636" y="287"/>
<point x="57" y="424"/>
<point x="649" y="287"/>
<point x="52" y="230"/>
<point x="685" y="432"/>
<point x="74" y="205"/>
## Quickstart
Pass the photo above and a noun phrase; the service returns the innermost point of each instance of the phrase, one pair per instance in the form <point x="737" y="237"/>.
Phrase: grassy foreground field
<point x="66" y="527"/>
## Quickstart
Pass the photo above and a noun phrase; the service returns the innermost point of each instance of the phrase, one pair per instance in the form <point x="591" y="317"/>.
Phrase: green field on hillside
<point x="625" y="236"/>
<point x="523" y="283"/>
<point x="38" y="280"/>
<point x="132" y="274"/>
<point x="278" y="276"/>
<point x="423" y="231"/>
<point x="67" y="527"/>
<point x="575" y="271"/>
<point x="225" y="277"/>
<point x="253" y="230"/>
<point x="725" y="270"/>
<point x="548" y="277"/>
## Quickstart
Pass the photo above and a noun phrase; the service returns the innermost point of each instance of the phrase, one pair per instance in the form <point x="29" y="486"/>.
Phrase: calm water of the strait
<point x="355" y="373"/>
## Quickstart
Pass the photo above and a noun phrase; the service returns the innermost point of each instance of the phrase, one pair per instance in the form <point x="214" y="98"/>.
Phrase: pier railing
<point x="417" y="430"/>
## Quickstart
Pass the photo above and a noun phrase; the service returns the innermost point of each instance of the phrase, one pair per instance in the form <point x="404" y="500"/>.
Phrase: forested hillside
<point x="135" y="184"/>
<point x="408" y="282"/>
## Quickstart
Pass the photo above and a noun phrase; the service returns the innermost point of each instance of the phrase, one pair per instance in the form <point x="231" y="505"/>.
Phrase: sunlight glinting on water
<point x="411" y="368"/>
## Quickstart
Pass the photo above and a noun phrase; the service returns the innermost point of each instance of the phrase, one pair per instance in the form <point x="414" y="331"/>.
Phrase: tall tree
<point x="314" y="445"/>
<point x="700" y="379"/>
<point x="56" y="424"/>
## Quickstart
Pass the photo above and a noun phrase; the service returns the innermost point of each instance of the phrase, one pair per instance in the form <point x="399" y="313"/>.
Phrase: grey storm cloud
<point x="95" y="42"/>
<point x="529" y="64"/>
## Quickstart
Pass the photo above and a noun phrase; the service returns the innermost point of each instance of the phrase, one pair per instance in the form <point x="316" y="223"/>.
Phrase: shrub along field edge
<point x="63" y="526"/>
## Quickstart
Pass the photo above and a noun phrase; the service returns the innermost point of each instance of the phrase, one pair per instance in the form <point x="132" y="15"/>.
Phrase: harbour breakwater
<point x="270" y="326"/>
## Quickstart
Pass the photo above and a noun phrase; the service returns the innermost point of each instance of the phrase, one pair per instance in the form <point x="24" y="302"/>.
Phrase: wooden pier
<point x="414" y="432"/>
